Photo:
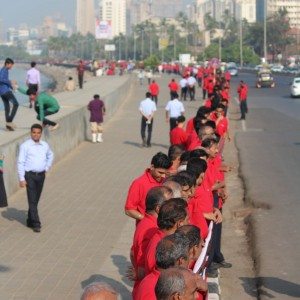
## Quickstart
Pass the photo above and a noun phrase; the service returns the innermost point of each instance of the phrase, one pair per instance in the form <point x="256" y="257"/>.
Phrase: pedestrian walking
<point x="183" y="85"/>
<point x="44" y="105"/>
<point x="6" y="87"/>
<point x="173" y="87"/>
<point x="154" y="90"/>
<point x="3" y="197"/>
<point x="243" y="94"/>
<point x="191" y="83"/>
<point x="97" y="111"/>
<point x="174" y="109"/>
<point x="147" y="109"/>
<point x="149" y="76"/>
<point x="141" y="76"/>
<point x="33" y="80"/>
<point x="80" y="72"/>
<point x="35" y="159"/>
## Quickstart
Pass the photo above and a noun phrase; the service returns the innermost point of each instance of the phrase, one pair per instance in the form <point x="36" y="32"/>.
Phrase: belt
<point x="36" y="173"/>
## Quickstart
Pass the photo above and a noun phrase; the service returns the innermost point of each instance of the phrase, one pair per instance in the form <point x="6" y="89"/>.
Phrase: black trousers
<point x="80" y="80"/>
<point x="33" y="86"/>
<point x="34" y="187"/>
<point x="173" y="123"/>
<point x="183" y="93"/>
<point x="204" y="93"/>
<point x="143" y="130"/>
<point x="3" y="197"/>
<point x="192" y="92"/>
<point x="154" y="98"/>
<point x="46" y="113"/>
<point x="244" y="109"/>
<point x="8" y="98"/>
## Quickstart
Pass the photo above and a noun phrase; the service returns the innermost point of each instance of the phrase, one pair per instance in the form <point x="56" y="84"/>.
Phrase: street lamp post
<point x="134" y="46"/>
<point x="265" y="29"/>
<point x="241" y="44"/>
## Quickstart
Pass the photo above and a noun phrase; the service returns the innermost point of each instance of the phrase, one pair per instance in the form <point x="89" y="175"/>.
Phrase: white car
<point x="295" y="87"/>
<point x="277" y="68"/>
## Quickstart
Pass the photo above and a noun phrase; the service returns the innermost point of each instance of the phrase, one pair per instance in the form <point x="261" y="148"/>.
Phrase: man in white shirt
<point x="174" y="109"/>
<point x="191" y="81"/>
<point x="183" y="85"/>
<point x="147" y="109"/>
<point x="35" y="159"/>
<point x="33" y="79"/>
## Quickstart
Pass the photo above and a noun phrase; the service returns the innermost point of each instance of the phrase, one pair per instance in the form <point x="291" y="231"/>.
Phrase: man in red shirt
<point x="243" y="94"/>
<point x="146" y="228"/>
<point x="153" y="176"/>
<point x="154" y="90"/>
<point x="172" y="215"/>
<point x="178" y="135"/>
<point x="173" y="86"/>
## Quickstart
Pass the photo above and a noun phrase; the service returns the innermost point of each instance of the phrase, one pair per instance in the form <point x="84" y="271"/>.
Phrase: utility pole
<point x="134" y="46"/>
<point x="174" y="37"/>
<point x="241" y="43"/>
<point x="265" y="29"/>
<point x="119" y="47"/>
<point x="142" y="46"/>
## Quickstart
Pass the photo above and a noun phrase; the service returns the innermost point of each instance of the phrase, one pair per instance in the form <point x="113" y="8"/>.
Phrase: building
<point x="245" y="9"/>
<point x="292" y="7"/>
<point x="114" y="12"/>
<point x="85" y="17"/>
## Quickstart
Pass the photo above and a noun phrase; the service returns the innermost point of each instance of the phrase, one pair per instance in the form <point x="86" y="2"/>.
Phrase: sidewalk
<point x="85" y="234"/>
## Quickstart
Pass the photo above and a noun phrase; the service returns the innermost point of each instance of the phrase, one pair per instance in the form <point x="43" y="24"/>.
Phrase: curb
<point x="214" y="289"/>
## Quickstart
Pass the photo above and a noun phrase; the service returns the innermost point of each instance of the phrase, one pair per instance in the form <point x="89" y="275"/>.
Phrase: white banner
<point x="103" y="30"/>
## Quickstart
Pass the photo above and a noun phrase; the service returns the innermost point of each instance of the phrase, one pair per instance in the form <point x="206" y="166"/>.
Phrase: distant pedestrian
<point x="3" y="197"/>
<point x="243" y="94"/>
<point x="33" y="80"/>
<point x="141" y="76"/>
<point x="173" y="86"/>
<point x="97" y="111"/>
<point x="147" y="109"/>
<point x="149" y="76"/>
<point x="183" y="85"/>
<point x="80" y="72"/>
<point x="191" y="82"/>
<point x="44" y="105"/>
<point x="6" y="87"/>
<point x="174" y="109"/>
<point x="35" y="159"/>
<point x="154" y="90"/>
<point x="70" y="85"/>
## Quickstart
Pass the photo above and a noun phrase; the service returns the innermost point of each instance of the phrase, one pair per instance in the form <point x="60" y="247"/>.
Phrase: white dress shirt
<point x="147" y="107"/>
<point x="33" y="76"/>
<point x="175" y="108"/>
<point x="191" y="81"/>
<point x="35" y="157"/>
<point x="183" y="83"/>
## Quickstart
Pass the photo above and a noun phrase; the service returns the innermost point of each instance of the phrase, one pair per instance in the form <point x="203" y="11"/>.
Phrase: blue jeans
<point x="7" y="98"/>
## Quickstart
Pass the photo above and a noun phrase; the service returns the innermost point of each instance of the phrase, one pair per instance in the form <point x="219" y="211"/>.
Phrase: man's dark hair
<point x="170" y="249"/>
<point x="181" y="119"/>
<point x="96" y="96"/>
<point x="187" y="178"/>
<point x="185" y="156"/>
<point x="192" y="232"/>
<point x="8" y="61"/>
<point x="211" y="124"/>
<point x="174" y="95"/>
<point x="196" y="166"/>
<point x="33" y="64"/>
<point x="202" y="111"/>
<point x="175" y="151"/>
<point x="148" y="95"/>
<point x="207" y="143"/>
<point x="31" y="91"/>
<point x="161" y="160"/>
<point x="156" y="196"/>
<point x="171" y="212"/>
<point x="222" y="106"/>
<point x="36" y="126"/>
<point x="70" y="78"/>
<point x="198" y="153"/>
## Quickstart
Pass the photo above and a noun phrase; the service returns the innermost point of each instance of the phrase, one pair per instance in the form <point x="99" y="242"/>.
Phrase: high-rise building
<point x="114" y="12"/>
<point x="245" y="9"/>
<point x="1" y="30"/>
<point x="85" y="17"/>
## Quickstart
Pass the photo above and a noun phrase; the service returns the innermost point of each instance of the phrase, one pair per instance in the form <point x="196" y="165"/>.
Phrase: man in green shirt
<point x="44" y="105"/>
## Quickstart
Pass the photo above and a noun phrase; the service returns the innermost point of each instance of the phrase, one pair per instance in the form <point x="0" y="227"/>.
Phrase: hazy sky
<point x="32" y="12"/>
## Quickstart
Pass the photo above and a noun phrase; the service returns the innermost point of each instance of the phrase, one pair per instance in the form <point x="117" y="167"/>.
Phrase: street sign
<point x="110" y="47"/>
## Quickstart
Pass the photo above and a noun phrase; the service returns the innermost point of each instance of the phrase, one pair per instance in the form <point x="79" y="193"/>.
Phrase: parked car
<point x="233" y="71"/>
<point x="265" y="79"/>
<point x="277" y="68"/>
<point x="295" y="87"/>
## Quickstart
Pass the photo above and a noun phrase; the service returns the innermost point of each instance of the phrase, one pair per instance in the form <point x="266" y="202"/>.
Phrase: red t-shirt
<point x="190" y="126"/>
<point x="193" y="141"/>
<point x="243" y="92"/>
<point x="203" y="199"/>
<point x="207" y="103"/>
<point x="196" y="217"/>
<point x="154" y="89"/>
<point x="138" y="191"/>
<point x="146" y="290"/>
<point x="210" y="177"/>
<point x="225" y="95"/>
<point x="173" y="86"/>
<point x="178" y="136"/>
<point x="150" y="261"/>
<point x="222" y="126"/>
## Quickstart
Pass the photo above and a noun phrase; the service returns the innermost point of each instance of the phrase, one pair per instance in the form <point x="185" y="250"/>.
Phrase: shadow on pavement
<point x="277" y="285"/>
<point x="4" y="268"/>
<point x="118" y="286"/>
<point x="122" y="264"/>
<point x="139" y="145"/>
<point x="13" y="214"/>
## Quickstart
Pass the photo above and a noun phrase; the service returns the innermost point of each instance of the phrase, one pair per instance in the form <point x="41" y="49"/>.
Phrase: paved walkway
<point x="85" y="234"/>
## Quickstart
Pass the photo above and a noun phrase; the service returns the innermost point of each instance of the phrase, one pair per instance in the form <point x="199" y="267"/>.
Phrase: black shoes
<point x="222" y="264"/>
<point x="36" y="229"/>
<point x="212" y="273"/>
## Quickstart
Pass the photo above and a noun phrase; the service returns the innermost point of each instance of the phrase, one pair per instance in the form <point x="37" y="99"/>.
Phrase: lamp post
<point x="241" y="43"/>
<point x="265" y="29"/>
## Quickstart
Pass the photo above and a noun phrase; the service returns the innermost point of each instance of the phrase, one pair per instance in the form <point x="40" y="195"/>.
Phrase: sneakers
<point x="99" y="138"/>
<point x="54" y="127"/>
<point x="222" y="264"/>
<point x="10" y="126"/>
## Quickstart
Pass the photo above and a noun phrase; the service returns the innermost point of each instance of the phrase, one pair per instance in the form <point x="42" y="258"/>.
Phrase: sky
<point x="32" y="12"/>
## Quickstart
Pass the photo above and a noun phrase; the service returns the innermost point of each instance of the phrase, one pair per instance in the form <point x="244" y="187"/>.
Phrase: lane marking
<point x="244" y="127"/>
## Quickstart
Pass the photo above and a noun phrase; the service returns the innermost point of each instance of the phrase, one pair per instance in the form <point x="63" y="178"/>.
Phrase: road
<point x="269" y="149"/>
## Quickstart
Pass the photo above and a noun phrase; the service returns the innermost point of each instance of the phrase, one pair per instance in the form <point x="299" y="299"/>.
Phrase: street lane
<point x="269" y="149"/>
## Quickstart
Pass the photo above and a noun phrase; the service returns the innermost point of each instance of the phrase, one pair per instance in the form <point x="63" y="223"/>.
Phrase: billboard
<point x="103" y="30"/>
<point x="110" y="47"/>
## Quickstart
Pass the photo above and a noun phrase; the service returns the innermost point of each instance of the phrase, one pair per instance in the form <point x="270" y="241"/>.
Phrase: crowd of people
<point x="177" y="202"/>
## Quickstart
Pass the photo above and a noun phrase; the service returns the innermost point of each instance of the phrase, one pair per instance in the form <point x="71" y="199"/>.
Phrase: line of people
<point x="177" y="197"/>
